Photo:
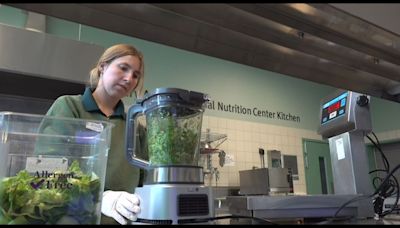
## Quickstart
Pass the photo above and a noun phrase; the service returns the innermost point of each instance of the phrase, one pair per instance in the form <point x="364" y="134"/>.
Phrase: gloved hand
<point x="120" y="206"/>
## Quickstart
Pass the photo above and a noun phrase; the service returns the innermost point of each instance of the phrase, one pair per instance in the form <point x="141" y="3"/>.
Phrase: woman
<point x="119" y="72"/>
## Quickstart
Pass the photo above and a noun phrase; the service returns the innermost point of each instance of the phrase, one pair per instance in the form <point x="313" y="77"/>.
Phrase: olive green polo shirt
<point x="120" y="175"/>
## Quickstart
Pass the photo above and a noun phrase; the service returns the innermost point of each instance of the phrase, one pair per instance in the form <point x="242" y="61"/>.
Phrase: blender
<point x="173" y="191"/>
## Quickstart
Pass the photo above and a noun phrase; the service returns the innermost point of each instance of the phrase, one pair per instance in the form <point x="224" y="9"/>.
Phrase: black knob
<point x="362" y="100"/>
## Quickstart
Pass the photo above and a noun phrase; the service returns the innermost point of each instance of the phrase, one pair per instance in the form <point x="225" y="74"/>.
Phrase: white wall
<point x="244" y="139"/>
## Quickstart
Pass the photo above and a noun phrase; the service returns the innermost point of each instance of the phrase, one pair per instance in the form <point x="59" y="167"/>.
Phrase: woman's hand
<point x="120" y="205"/>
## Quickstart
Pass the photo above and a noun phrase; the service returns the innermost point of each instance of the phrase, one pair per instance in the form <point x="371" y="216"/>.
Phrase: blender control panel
<point x="334" y="108"/>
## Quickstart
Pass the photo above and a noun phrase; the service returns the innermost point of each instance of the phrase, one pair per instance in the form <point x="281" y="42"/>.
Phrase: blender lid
<point x="185" y="96"/>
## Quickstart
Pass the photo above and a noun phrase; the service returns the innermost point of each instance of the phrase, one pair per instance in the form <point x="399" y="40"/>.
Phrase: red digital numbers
<point x="334" y="107"/>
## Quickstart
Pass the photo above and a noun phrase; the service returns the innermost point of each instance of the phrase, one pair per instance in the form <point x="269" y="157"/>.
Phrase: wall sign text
<point x="255" y="111"/>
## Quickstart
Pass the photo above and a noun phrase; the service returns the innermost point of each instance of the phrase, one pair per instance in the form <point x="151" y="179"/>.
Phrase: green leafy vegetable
<point x="173" y="136"/>
<point x="58" y="198"/>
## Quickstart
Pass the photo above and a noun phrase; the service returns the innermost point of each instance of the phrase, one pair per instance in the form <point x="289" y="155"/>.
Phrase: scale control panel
<point x="344" y="111"/>
<point x="334" y="108"/>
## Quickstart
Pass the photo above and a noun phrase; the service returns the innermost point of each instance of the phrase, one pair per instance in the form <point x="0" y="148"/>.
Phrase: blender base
<point x="174" y="203"/>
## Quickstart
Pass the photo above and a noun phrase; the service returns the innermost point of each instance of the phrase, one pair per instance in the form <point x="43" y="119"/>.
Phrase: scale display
<point x="334" y="108"/>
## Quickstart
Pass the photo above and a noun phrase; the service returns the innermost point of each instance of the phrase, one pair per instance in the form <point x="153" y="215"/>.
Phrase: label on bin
<point x="94" y="126"/>
<point x="38" y="164"/>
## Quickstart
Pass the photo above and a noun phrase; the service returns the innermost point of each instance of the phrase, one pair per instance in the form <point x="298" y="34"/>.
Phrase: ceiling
<point x="315" y="42"/>
<point x="385" y="15"/>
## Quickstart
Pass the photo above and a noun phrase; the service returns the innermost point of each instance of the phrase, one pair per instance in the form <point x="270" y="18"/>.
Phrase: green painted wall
<point x="384" y="115"/>
<point x="63" y="28"/>
<point x="226" y="82"/>
<point x="12" y="16"/>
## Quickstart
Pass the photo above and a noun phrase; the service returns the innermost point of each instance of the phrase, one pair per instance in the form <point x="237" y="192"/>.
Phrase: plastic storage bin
<point x="52" y="170"/>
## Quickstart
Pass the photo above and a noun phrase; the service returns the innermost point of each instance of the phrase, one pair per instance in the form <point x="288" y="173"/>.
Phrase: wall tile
<point x="245" y="138"/>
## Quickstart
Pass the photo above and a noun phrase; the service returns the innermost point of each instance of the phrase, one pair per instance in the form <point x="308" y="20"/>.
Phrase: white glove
<point x="120" y="206"/>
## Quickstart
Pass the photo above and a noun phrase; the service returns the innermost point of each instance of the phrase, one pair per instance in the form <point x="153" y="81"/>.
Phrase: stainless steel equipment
<point x="209" y="143"/>
<point x="345" y="119"/>
<point x="274" y="158"/>
<point x="290" y="207"/>
<point x="261" y="153"/>
<point x="174" y="190"/>
<point x="264" y="181"/>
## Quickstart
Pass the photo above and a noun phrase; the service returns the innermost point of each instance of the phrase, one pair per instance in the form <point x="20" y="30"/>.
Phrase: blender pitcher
<point x="173" y="118"/>
<point x="173" y="189"/>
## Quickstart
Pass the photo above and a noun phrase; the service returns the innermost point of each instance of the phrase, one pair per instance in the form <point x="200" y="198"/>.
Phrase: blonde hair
<point x="112" y="53"/>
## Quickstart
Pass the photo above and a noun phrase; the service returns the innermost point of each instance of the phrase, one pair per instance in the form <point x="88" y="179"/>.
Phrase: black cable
<point x="387" y="191"/>
<point x="204" y="220"/>
<point x="351" y="201"/>
<point x="385" y="188"/>
<point x="200" y="220"/>
<point x="377" y="170"/>
<point x="384" y="213"/>
<point x="380" y="149"/>
<point x="393" y="185"/>
<point x="377" y="140"/>
<point x="384" y="184"/>
<point x="331" y="220"/>
<point x="386" y="179"/>
<point x="384" y="159"/>
<point x="374" y="181"/>
<point x="377" y="178"/>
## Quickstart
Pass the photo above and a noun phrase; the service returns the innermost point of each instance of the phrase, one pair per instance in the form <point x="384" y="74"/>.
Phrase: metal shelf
<point x="210" y="142"/>
<point x="209" y="137"/>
